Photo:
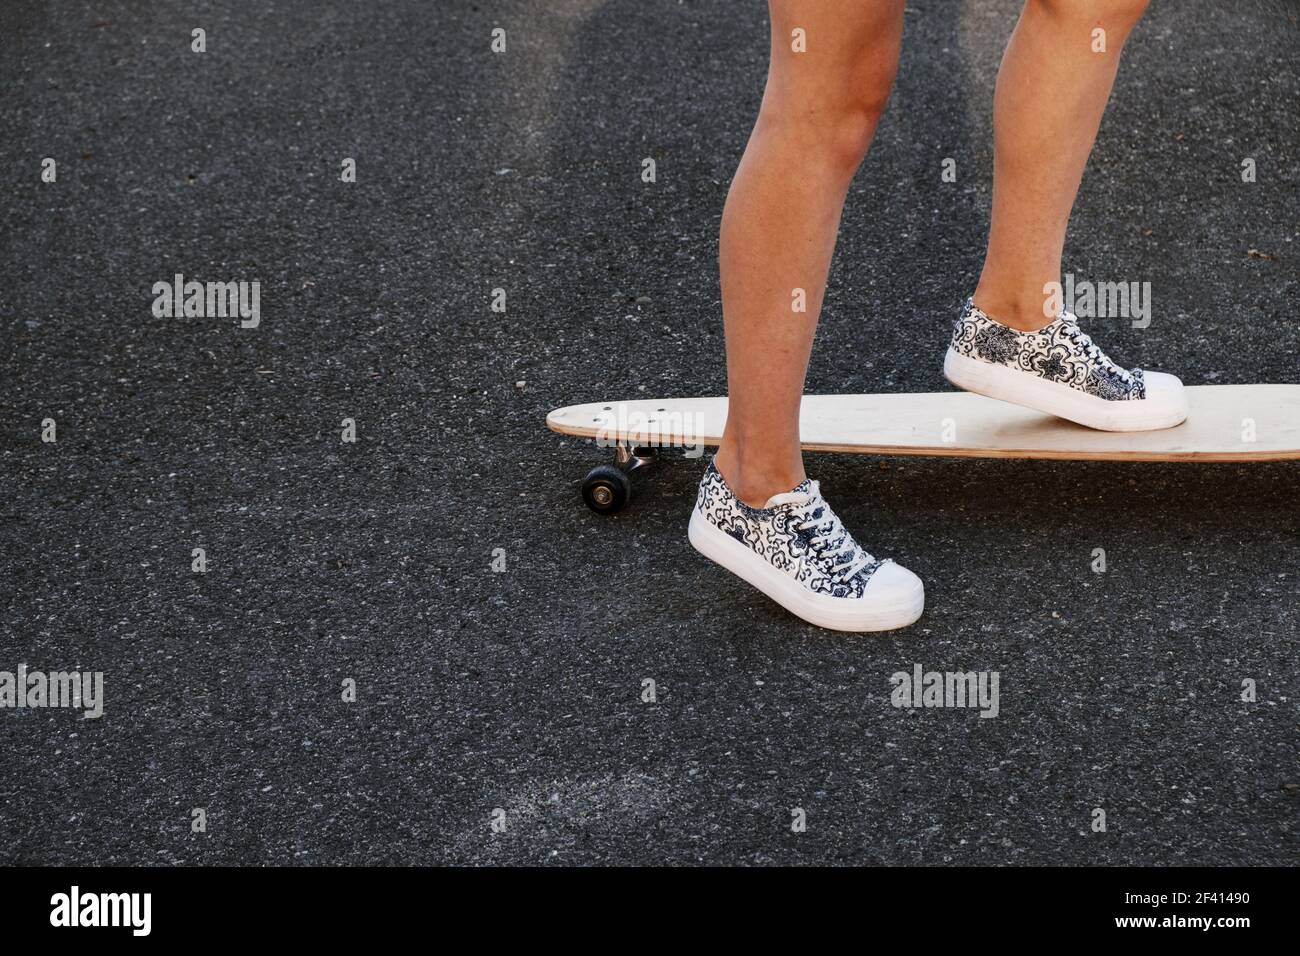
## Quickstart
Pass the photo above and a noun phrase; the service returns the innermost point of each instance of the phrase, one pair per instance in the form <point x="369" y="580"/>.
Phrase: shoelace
<point x="1084" y="341"/>
<point x="828" y="527"/>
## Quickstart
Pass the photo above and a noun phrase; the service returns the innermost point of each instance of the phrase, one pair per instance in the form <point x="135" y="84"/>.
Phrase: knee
<point x="1119" y="15"/>
<point x="845" y="129"/>
<point x="836" y="129"/>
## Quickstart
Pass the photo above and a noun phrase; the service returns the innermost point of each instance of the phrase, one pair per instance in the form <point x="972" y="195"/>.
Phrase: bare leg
<point x="819" y="113"/>
<point x="1051" y="93"/>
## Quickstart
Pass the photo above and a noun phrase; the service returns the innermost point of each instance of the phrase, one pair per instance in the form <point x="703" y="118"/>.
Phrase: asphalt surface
<point x="521" y="689"/>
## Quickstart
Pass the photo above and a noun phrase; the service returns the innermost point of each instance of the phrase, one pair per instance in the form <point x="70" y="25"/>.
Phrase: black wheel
<point x="606" y="489"/>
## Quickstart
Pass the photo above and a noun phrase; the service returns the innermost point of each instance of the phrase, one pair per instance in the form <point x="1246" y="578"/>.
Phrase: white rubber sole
<point x="895" y="597"/>
<point x="1164" y="407"/>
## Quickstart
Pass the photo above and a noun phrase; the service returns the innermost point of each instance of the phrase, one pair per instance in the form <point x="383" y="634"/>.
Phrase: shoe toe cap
<point x="893" y="583"/>
<point x="1162" y="383"/>
<point x="1166" y="390"/>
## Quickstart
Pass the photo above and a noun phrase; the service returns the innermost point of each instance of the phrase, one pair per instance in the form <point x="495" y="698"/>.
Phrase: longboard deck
<point x="1225" y="423"/>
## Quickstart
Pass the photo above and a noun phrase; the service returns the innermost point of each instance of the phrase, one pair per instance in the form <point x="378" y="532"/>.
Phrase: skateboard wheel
<point x="606" y="489"/>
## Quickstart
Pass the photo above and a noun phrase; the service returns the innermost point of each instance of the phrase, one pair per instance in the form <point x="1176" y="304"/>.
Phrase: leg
<point x="1052" y="90"/>
<point x="819" y="113"/>
<point x="1051" y="93"/>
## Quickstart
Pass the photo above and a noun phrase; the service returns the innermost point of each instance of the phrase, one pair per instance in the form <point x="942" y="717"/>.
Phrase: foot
<point x="1059" y="370"/>
<point x="795" y="551"/>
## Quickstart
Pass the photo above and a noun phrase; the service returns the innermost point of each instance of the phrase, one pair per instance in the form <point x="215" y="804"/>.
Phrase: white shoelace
<point x="1082" y="339"/>
<point x="852" y="558"/>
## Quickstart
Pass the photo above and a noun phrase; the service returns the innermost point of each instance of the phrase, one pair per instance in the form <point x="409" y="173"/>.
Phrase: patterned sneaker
<point x="1060" y="371"/>
<point x="795" y="551"/>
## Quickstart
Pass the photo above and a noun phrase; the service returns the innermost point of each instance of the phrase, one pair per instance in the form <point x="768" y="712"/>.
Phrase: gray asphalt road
<point x="521" y="689"/>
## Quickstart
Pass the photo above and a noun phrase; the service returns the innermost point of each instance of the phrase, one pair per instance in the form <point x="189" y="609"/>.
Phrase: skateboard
<point x="1224" y="423"/>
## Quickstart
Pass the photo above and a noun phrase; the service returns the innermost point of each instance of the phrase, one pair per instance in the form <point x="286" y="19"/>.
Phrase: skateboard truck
<point x="607" y="488"/>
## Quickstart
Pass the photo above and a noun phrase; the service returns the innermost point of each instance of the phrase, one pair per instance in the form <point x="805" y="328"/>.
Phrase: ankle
<point x="1015" y="310"/>
<point x="755" y="482"/>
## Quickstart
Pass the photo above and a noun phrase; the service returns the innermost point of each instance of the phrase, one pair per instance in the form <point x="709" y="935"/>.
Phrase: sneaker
<point x="1059" y="370"/>
<point x="795" y="551"/>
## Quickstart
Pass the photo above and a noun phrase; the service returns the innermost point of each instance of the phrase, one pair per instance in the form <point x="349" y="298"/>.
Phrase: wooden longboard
<point x="1224" y="423"/>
